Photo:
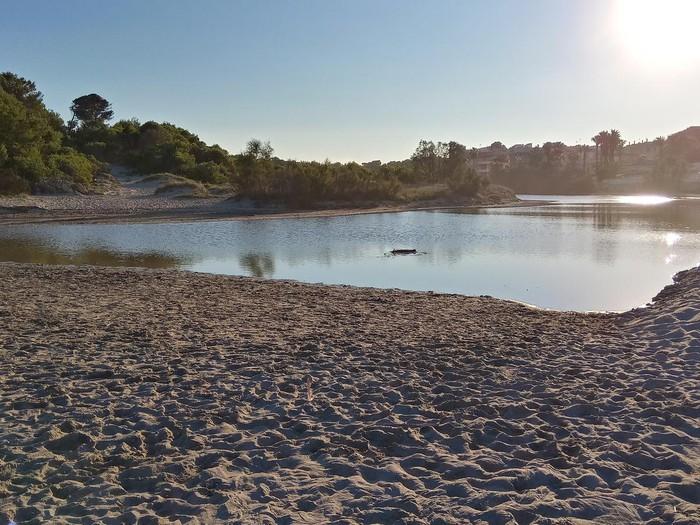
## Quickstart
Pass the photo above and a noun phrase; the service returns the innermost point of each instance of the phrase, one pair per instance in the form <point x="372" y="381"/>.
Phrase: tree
<point x="457" y="156"/>
<point x="22" y="89"/>
<point x="605" y="147"/>
<point x="616" y="144"/>
<point x="609" y="146"/>
<point x="91" y="109"/>
<point x="473" y="156"/>
<point x="464" y="181"/>
<point x="259" y="150"/>
<point x="553" y="154"/>
<point x="584" y="157"/>
<point x="597" y="140"/>
<point x="425" y="160"/>
<point x="34" y="157"/>
<point x="255" y="167"/>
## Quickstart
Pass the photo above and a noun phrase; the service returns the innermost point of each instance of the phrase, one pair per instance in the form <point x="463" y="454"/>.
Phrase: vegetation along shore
<point x="42" y="154"/>
<point x="149" y="168"/>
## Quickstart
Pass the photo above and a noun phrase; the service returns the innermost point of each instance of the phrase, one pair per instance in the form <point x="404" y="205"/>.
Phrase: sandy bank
<point x="135" y="396"/>
<point x="153" y="208"/>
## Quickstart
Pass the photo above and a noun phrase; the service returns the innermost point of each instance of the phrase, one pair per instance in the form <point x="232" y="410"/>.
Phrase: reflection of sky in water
<point x="586" y="255"/>
<point x="644" y="200"/>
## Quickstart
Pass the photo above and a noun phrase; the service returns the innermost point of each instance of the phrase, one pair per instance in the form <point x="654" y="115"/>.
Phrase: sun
<point x="659" y="34"/>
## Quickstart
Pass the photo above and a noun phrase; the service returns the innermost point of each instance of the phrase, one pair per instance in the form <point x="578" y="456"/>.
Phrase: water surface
<point x="581" y="253"/>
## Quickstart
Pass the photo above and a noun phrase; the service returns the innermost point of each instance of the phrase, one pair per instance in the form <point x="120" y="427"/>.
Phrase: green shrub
<point x="71" y="164"/>
<point x="11" y="184"/>
<point x="209" y="172"/>
<point x="96" y="149"/>
<point x="464" y="182"/>
<point x="308" y="183"/>
<point x="195" y="188"/>
<point x="30" y="166"/>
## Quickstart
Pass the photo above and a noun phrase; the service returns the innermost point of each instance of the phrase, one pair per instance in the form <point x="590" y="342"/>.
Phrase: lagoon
<point x="574" y="253"/>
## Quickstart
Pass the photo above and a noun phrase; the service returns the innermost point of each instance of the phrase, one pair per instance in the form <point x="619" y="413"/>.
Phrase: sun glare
<point x="648" y="200"/>
<point x="659" y="34"/>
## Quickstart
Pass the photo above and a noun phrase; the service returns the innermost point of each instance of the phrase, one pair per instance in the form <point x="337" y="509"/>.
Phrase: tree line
<point x="39" y="152"/>
<point x="554" y="167"/>
<point x="447" y="162"/>
<point x="674" y="154"/>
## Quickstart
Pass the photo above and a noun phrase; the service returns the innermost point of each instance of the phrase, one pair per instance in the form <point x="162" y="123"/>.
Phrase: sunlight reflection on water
<point x="641" y="200"/>
<point x="581" y="252"/>
<point x="644" y="200"/>
<point x="671" y="238"/>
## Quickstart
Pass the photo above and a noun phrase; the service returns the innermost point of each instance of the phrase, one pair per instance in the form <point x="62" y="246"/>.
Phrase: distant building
<point x="520" y="152"/>
<point x="490" y="158"/>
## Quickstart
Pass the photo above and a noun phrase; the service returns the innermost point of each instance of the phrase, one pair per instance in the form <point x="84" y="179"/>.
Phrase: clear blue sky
<point x="352" y="80"/>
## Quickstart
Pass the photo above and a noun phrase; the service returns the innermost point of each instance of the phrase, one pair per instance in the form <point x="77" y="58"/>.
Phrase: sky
<point x="367" y="79"/>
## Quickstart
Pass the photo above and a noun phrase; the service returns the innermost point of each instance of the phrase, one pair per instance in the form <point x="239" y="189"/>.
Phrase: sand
<point x="133" y="198"/>
<point x="149" y="396"/>
<point x="95" y="209"/>
<point x="119" y="208"/>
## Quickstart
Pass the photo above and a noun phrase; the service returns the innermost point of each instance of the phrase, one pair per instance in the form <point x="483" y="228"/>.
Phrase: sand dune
<point x="134" y="396"/>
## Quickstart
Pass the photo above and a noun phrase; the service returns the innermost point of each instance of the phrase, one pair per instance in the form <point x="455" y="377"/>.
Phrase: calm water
<point x="582" y="253"/>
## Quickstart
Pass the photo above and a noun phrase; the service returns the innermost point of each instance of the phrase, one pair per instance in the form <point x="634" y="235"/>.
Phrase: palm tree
<point x="598" y="140"/>
<point x="584" y="156"/>
<point x="616" y="143"/>
<point x="605" y="145"/>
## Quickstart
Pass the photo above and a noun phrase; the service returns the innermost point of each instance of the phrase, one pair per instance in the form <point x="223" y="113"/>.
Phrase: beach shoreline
<point x="98" y="209"/>
<point x="241" y="400"/>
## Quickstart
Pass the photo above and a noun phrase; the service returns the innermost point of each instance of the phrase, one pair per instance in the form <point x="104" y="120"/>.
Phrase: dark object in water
<point x="403" y="252"/>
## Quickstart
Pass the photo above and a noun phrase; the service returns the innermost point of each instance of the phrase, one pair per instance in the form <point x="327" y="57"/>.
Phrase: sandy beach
<point x="148" y="396"/>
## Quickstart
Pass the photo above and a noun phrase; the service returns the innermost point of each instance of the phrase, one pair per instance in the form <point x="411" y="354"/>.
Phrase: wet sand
<point x="157" y="396"/>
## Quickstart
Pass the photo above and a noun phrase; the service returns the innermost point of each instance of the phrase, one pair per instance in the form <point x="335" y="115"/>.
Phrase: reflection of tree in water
<point x="681" y="214"/>
<point x="258" y="265"/>
<point x="606" y="216"/>
<point x="27" y="251"/>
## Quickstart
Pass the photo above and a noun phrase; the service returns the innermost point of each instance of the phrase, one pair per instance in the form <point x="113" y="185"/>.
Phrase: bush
<point x="30" y="166"/>
<point x="11" y="184"/>
<point x="209" y="172"/>
<point x="179" y="184"/>
<point x="155" y="147"/>
<point x="96" y="149"/>
<point x="465" y="182"/>
<point x="69" y="163"/>
<point x="308" y="183"/>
